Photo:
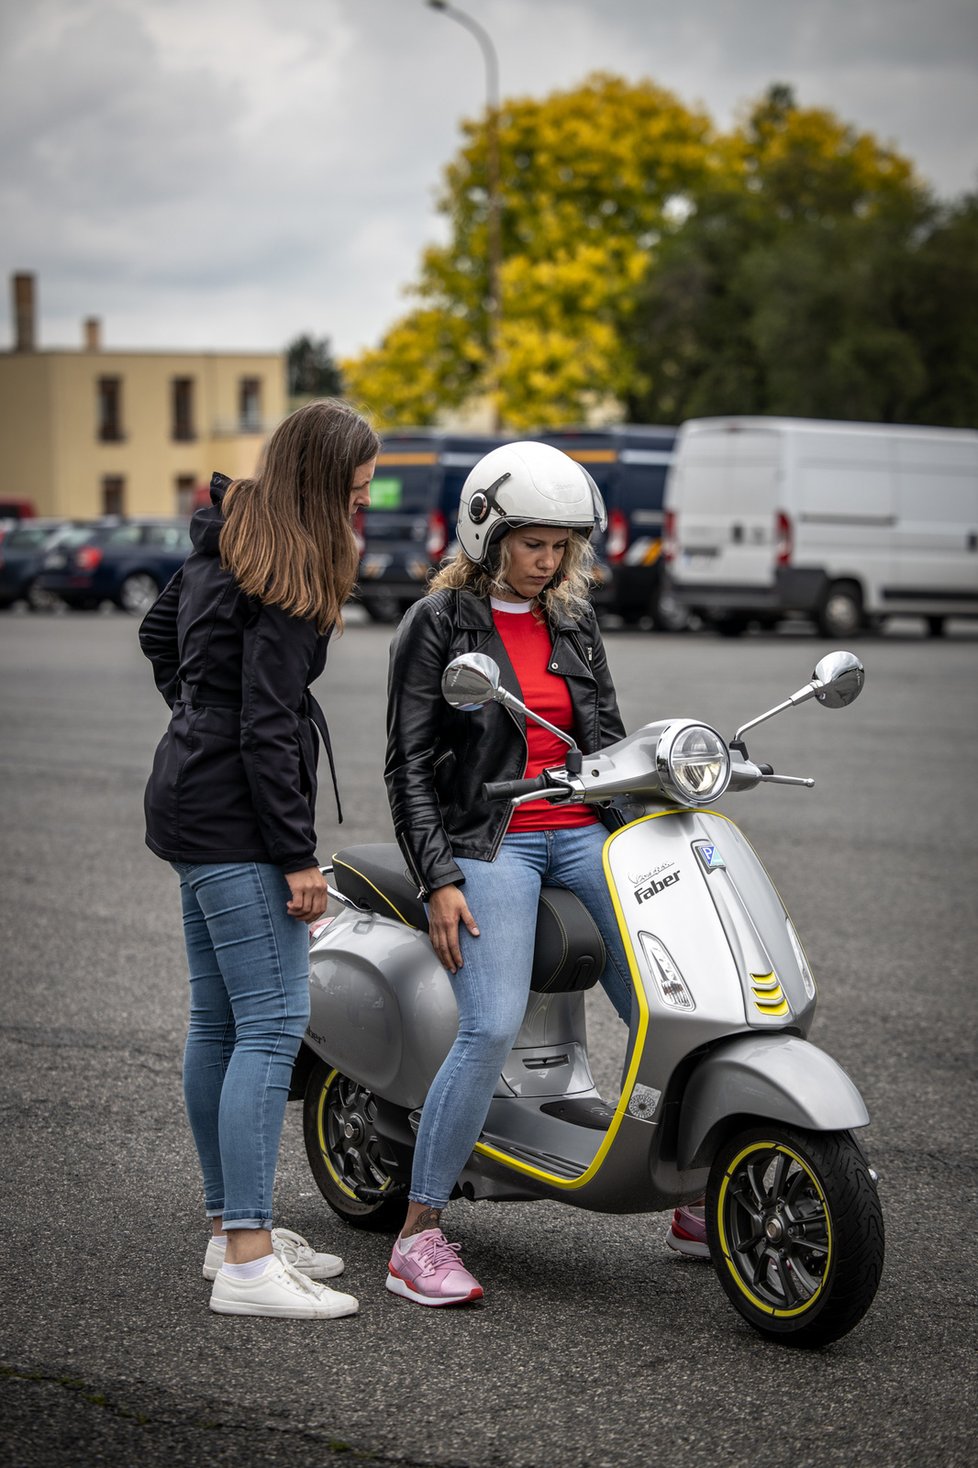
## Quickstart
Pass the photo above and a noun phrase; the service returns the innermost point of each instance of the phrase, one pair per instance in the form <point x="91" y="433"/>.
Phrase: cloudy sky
<point x="206" y="174"/>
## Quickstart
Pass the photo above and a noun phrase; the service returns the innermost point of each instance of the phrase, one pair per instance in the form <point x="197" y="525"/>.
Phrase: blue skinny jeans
<point x="493" y="985"/>
<point x="249" y="1007"/>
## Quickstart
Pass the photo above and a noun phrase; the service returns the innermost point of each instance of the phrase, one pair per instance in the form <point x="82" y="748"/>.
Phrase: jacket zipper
<point x="493" y="850"/>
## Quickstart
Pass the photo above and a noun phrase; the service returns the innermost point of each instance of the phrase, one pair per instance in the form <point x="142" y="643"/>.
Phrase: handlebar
<point x="510" y="789"/>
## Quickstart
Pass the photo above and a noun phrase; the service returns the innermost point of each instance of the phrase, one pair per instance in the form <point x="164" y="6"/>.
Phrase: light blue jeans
<point x="249" y="1007"/>
<point x="493" y="985"/>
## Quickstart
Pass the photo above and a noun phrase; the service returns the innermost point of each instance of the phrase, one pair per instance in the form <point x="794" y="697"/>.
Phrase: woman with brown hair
<point x="236" y="639"/>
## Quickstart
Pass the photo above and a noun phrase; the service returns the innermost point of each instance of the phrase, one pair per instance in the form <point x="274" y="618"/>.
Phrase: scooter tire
<point x="795" y="1230"/>
<point x="340" y="1163"/>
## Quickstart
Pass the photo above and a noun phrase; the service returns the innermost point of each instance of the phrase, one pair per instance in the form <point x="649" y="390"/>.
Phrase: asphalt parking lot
<point x="594" y="1346"/>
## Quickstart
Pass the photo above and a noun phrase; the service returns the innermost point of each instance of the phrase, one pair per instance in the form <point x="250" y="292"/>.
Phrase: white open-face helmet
<point x="525" y="484"/>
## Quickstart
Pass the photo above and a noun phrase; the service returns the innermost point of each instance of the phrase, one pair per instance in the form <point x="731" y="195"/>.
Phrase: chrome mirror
<point x="470" y="681"/>
<point x="837" y="680"/>
<point x="842" y="676"/>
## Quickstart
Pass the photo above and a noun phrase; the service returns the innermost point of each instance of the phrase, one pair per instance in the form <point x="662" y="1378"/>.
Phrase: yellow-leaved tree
<point x="589" y="180"/>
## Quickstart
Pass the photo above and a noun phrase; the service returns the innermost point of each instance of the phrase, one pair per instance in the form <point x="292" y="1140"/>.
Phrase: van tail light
<point x="616" y="542"/>
<point x="88" y="557"/>
<point x="436" y="543"/>
<point x="358" y="533"/>
<point x="669" y="536"/>
<point x="784" y="540"/>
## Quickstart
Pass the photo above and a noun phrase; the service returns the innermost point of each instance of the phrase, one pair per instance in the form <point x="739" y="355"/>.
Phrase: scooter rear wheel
<point x="795" y="1231"/>
<point x="344" y="1150"/>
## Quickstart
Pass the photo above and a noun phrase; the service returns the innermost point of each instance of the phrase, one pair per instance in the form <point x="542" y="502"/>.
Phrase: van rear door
<point x="723" y="496"/>
<point x="935" y="560"/>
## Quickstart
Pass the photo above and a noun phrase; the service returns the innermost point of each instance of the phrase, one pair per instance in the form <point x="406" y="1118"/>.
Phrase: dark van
<point x="413" y="511"/>
<point x="628" y="462"/>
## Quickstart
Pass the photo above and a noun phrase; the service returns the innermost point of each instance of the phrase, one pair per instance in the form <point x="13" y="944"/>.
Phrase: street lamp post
<point x="493" y="221"/>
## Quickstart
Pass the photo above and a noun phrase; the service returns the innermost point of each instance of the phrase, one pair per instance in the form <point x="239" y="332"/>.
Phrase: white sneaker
<point x="281" y="1291"/>
<point x="290" y="1246"/>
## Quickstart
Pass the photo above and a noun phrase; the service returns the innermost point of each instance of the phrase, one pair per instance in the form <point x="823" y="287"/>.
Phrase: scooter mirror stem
<point x="838" y="680"/>
<point x="472" y="680"/>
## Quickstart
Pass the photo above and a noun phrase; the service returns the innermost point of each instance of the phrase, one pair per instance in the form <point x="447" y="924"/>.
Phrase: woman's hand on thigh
<point x="446" y="909"/>
<point x="310" y="894"/>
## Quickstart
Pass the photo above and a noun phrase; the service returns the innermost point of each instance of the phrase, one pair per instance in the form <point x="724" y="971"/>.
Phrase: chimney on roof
<point x="93" y="334"/>
<point x="24" y="311"/>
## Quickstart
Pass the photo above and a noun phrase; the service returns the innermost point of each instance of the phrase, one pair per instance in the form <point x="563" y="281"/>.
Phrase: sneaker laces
<point x="301" y="1281"/>
<point x="294" y="1245"/>
<point x="436" y="1251"/>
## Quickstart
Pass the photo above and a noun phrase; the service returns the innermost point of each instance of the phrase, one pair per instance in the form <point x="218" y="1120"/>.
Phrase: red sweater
<point x="527" y="641"/>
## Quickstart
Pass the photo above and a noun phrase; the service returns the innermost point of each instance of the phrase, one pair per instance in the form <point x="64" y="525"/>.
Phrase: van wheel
<point x="841" y="612"/>
<point x="668" y="612"/>
<point x="731" y="626"/>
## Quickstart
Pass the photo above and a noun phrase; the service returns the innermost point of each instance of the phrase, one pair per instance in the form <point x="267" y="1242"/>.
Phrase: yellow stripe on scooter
<point x="643" y="1023"/>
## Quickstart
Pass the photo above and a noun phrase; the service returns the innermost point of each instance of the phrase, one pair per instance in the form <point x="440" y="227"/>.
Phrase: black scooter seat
<point x="569" y="954"/>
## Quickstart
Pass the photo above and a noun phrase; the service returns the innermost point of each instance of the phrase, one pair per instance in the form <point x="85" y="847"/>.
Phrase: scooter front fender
<point x="771" y="1077"/>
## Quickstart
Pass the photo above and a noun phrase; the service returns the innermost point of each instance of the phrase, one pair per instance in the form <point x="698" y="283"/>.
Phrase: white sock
<point x="407" y="1244"/>
<point x="251" y="1270"/>
<point x="219" y="1239"/>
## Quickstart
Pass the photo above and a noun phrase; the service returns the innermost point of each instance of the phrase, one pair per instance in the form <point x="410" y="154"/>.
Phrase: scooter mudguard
<point x="771" y="1077"/>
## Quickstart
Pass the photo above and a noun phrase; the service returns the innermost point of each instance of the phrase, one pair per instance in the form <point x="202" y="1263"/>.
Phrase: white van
<point x="845" y="523"/>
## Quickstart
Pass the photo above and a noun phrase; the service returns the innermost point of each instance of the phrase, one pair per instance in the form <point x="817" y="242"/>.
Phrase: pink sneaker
<point x="430" y="1271"/>
<point x="687" y="1233"/>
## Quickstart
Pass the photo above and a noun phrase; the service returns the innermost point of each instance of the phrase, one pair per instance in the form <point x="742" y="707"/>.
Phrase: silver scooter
<point x="722" y="1093"/>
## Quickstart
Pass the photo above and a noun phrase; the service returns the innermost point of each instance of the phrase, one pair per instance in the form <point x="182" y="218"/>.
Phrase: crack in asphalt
<point x="138" y="1405"/>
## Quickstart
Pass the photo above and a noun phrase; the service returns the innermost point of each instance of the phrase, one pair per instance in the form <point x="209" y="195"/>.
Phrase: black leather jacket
<point x="438" y="758"/>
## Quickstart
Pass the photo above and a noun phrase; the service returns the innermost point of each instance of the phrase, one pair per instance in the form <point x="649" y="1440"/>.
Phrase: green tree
<point x="589" y="178"/>
<point x="785" y="290"/>
<point x="311" y="370"/>
<point x="941" y="310"/>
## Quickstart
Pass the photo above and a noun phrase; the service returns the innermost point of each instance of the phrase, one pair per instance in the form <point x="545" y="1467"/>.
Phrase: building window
<point x="186" y="489"/>
<point x="109" y="400"/>
<point x="183" y="409"/>
<point x="249" y="404"/>
<point x="113" y="495"/>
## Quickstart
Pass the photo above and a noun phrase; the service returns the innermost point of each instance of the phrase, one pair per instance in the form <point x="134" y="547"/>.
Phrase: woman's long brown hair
<point x="287" y="537"/>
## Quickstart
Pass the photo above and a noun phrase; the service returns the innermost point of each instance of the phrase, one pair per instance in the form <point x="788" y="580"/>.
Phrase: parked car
<point x="23" y="546"/>
<point x="844" y="524"/>
<point x="127" y="563"/>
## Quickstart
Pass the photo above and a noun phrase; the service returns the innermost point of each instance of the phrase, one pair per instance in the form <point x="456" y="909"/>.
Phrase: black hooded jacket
<point x="234" y="777"/>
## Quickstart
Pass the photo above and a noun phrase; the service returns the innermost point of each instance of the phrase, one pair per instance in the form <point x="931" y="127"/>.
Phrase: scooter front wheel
<point x="344" y="1150"/>
<point x="795" y="1230"/>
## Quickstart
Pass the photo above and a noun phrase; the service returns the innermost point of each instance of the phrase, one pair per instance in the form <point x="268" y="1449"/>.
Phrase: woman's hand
<point x="309" y="894"/>
<point x="446" y="908"/>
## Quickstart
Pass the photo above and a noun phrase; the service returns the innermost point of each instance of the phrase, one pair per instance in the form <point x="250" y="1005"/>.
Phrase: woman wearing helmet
<point x="517" y="590"/>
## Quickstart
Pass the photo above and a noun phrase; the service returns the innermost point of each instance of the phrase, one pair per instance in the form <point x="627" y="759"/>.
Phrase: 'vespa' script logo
<point x="643" y="894"/>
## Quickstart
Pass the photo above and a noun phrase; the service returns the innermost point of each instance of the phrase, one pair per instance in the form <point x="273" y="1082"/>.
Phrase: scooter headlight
<point x="693" y="763"/>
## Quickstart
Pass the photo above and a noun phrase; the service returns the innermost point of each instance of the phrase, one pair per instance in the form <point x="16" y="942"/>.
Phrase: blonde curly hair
<point x="569" y="595"/>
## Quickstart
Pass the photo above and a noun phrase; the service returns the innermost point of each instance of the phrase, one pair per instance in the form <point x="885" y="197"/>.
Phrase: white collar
<point x="509" y="606"/>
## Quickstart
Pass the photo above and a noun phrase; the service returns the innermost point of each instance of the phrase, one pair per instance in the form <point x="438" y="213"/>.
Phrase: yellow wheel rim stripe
<point x="725" y="1246"/>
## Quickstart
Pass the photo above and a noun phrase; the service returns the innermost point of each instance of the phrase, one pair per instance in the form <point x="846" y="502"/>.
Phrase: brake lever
<point x="770" y="778"/>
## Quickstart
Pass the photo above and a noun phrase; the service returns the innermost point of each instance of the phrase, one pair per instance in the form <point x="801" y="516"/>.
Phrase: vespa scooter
<point x="722" y="1091"/>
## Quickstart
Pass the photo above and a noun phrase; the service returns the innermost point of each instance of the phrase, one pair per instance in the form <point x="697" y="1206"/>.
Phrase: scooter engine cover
<point x="569" y="953"/>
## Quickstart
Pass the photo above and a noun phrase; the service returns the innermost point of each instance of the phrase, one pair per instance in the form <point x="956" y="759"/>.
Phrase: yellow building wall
<point x="26" y="439"/>
<point x="49" y="425"/>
